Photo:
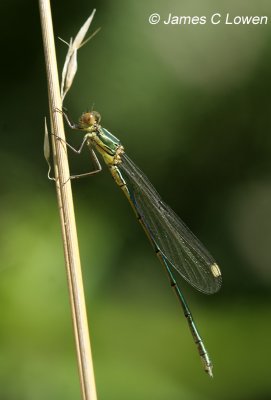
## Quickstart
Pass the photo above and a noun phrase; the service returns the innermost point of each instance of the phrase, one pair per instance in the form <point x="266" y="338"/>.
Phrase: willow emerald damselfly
<point x="174" y="244"/>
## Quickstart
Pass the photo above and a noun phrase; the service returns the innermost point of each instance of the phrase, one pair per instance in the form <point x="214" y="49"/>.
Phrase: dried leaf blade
<point x="70" y="65"/>
<point x="82" y="31"/>
<point x="46" y="149"/>
<point x="46" y="145"/>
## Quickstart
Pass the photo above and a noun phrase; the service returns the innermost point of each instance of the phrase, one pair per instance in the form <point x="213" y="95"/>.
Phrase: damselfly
<point x="174" y="244"/>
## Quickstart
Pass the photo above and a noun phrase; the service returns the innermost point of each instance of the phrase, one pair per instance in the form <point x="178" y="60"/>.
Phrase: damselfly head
<point x="89" y="119"/>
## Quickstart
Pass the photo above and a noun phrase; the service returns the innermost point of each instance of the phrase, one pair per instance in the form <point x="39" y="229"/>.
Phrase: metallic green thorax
<point x="107" y="145"/>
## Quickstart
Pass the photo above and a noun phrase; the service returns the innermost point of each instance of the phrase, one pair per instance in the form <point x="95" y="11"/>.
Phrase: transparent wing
<point x="172" y="237"/>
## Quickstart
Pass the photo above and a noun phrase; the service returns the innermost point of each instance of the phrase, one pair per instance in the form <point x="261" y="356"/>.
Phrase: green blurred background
<point x="191" y="104"/>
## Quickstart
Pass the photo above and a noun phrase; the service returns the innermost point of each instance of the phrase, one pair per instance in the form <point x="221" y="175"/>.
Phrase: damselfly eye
<point x="85" y="120"/>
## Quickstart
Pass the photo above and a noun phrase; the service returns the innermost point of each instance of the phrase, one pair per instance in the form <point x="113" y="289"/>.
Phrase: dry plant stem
<point x="65" y="203"/>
